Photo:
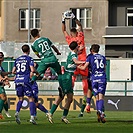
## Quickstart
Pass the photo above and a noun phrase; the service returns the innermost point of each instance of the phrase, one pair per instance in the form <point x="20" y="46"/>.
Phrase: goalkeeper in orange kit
<point x="78" y="36"/>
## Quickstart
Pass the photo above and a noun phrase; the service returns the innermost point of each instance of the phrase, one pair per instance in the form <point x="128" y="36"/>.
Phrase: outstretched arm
<point x="5" y="73"/>
<point x="79" y="24"/>
<point x="64" y="26"/>
<point x="64" y="29"/>
<point x="78" y="61"/>
<point x="84" y="66"/>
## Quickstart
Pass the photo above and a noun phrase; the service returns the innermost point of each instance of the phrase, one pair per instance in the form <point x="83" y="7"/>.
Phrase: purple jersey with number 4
<point x="98" y="75"/>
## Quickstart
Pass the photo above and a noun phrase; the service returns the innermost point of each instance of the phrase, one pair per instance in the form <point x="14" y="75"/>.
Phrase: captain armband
<point x="36" y="53"/>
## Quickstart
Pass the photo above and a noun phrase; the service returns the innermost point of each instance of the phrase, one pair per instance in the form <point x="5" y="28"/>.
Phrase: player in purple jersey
<point x="23" y="67"/>
<point x="35" y="96"/>
<point x="98" y="78"/>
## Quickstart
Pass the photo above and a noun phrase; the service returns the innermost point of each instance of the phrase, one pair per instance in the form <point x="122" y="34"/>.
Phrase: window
<point x="129" y="16"/>
<point x="34" y="18"/>
<point x="85" y="17"/>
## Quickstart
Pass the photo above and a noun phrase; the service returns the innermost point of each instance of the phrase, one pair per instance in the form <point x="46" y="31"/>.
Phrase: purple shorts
<point x="99" y="86"/>
<point x="24" y="90"/>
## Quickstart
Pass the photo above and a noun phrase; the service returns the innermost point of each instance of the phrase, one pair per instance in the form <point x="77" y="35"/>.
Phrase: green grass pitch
<point x="117" y="122"/>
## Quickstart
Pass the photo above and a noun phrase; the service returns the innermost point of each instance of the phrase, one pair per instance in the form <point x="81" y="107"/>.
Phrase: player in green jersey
<point x="66" y="81"/>
<point x="42" y="47"/>
<point x="3" y="81"/>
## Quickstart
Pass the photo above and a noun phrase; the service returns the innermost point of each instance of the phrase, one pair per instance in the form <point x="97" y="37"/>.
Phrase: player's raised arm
<point x="79" y="24"/>
<point x="64" y="26"/>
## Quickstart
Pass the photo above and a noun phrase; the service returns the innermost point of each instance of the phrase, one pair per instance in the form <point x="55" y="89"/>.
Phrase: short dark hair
<point x="90" y="49"/>
<point x="73" y="30"/>
<point x="1" y="55"/>
<point x="34" y="32"/>
<point x="95" y="48"/>
<point x="73" y="45"/>
<point x="25" y="48"/>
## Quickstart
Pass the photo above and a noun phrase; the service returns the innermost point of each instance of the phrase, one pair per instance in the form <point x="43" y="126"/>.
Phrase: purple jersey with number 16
<point x="98" y="75"/>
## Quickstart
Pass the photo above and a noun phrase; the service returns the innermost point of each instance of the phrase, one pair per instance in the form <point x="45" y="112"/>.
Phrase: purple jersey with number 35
<point x="22" y="65"/>
<point x="22" y="79"/>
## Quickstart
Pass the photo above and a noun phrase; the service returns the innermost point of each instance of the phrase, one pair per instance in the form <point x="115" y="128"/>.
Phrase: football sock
<point x="42" y="108"/>
<point x="103" y="109"/>
<point x="83" y="104"/>
<point x="83" y="108"/>
<point x="19" y="105"/>
<point x="35" y="113"/>
<point x="84" y="99"/>
<point x="97" y="105"/>
<point x="54" y="107"/>
<point x="88" y="101"/>
<point x="32" y="108"/>
<point x="65" y="112"/>
<point x="6" y="106"/>
<point x="100" y="105"/>
<point x="1" y="105"/>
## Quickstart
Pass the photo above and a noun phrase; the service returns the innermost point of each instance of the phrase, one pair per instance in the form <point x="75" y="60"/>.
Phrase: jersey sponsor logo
<point x="71" y="66"/>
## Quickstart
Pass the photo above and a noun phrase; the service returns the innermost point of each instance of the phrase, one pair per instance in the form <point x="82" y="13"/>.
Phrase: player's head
<point x="73" y="32"/>
<point x="95" y="48"/>
<point x="73" y="45"/>
<point x="35" y="33"/>
<point x="1" y="56"/>
<point x="26" y="49"/>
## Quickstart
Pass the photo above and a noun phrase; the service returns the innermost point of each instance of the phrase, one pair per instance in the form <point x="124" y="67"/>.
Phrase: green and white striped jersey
<point x="70" y="65"/>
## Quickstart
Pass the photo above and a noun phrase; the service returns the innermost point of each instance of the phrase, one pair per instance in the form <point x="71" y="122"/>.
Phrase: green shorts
<point x="43" y="66"/>
<point x="65" y="81"/>
<point x="2" y="90"/>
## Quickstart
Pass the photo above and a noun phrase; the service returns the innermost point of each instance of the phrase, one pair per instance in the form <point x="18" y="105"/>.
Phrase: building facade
<point x="119" y="32"/>
<point x="107" y="22"/>
<point x="46" y="16"/>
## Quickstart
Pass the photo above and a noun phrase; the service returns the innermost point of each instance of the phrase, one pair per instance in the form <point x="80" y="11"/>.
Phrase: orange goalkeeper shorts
<point x="81" y="72"/>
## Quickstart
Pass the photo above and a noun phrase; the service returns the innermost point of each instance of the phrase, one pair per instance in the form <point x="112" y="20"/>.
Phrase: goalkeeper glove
<point x="73" y="16"/>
